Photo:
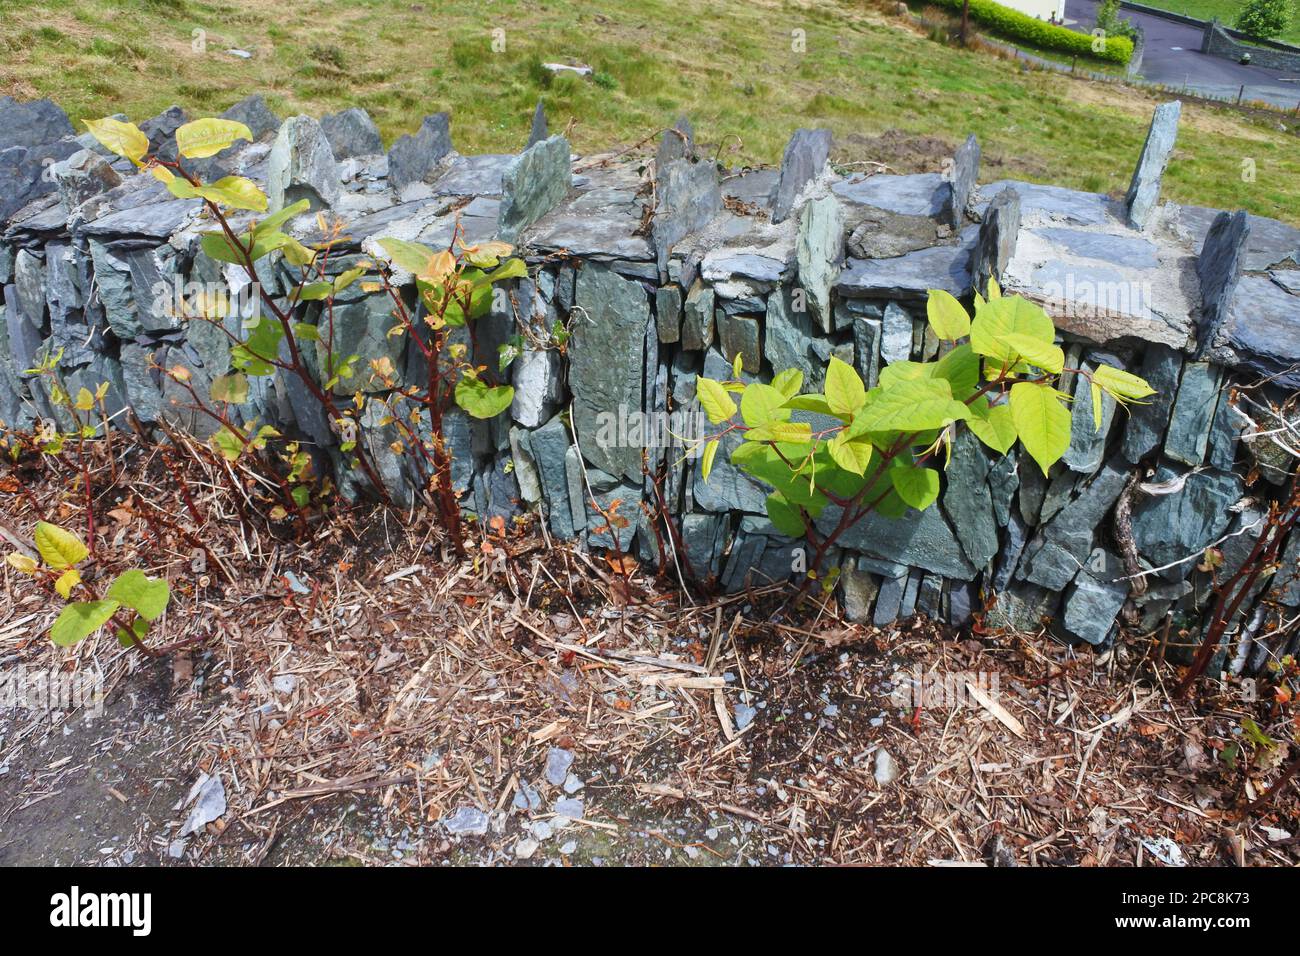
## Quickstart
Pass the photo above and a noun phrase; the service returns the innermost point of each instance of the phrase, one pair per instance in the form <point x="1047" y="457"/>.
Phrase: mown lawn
<point x="1225" y="10"/>
<point x="736" y="67"/>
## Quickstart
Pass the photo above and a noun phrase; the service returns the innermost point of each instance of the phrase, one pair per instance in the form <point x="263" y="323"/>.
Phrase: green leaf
<point x="207" y="137"/>
<point x="788" y="382"/>
<point x="274" y="221"/>
<point x="232" y="388"/>
<point x="147" y="596"/>
<point x="68" y="580"/>
<point x="59" y="549"/>
<point x="993" y="425"/>
<point x="1045" y="355"/>
<point x="761" y="404"/>
<point x="845" y="392"/>
<point x="849" y="453"/>
<point x="481" y="400"/>
<point x="948" y="319"/>
<point x="905" y="371"/>
<point x="784" y="516"/>
<point x="410" y="257"/>
<point x="313" y="291"/>
<point x="795" y="432"/>
<point x="1095" y="391"/>
<point x="1009" y="316"/>
<point x="119" y="138"/>
<point x="812" y="403"/>
<point x="510" y="269"/>
<point x="1121" y="385"/>
<point x="918" y="486"/>
<point x="237" y="192"/>
<point x="228" y="444"/>
<point x="1041" y="420"/>
<point x="139" y="628"/>
<point x="78" y="621"/>
<point x="910" y="406"/>
<point x="715" y="401"/>
<point x="961" y="368"/>
<point x="710" y="452"/>
<point x="260" y="348"/>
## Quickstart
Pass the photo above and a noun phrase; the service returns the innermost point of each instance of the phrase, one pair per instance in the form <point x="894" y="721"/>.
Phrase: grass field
<point x="1225" y="10"/>
<point x="888" y="93"/>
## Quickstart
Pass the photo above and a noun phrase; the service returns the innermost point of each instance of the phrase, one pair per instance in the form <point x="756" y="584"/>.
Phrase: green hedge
<point x="1021" y="26"/>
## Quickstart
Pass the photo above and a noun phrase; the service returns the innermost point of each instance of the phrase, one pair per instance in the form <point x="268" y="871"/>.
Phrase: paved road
<point x="1172" y="57"/>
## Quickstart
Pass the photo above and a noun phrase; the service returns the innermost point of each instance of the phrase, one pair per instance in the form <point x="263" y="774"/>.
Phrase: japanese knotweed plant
<point x="455" y="288"/>
<point x="257" y="347"/>
<point x="863" y="450"/>
<point x="132" y="602"/>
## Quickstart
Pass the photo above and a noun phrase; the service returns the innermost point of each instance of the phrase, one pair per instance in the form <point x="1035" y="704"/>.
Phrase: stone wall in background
<point x="669" y="269"/>
<point x="1218" y="40"/>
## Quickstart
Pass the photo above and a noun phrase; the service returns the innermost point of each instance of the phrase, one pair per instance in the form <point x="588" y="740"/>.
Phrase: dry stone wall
<point x="666" y="270"/>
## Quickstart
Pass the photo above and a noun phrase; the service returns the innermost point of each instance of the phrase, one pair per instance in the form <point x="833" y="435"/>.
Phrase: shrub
<point x="1264" y="19"/>
<point x="1021" y="26"/>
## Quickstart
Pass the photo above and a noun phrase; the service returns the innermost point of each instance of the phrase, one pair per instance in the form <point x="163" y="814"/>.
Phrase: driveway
<point x="1172" y="59"/>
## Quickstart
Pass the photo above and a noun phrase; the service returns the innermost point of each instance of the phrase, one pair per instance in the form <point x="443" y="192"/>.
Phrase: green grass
<point x="728" y="64"/>
<point x="1225" y="10"/>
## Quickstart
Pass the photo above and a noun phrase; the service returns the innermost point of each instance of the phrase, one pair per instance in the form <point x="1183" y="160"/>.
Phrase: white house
<point x="1042" y="9"/>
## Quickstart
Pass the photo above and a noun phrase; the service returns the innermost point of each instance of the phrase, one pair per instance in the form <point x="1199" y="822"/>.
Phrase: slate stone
<point x="788" y="338"/>
<point x="1064" y="543"/>
<point x="537" y="131"/>
<point x="1170" y="527"/>
<point x="1261" y="333"/>
<point x="961" y="603"/>
<point x="697" y="317"/>
<point x="967" y="501"/>
<point x="819" y="249"/>
<point x="907" y="608"/>
<point x="1004" y="479"/>
<point x="996" y="243"/>
<point x="740" y="335"/>
<point x="1013" y="546"/>
<point x="416" y="158"/>
<point x="911" y="276"/>
<point x="1218" y="268"/>
<point x="143" y="391"/>
<point x="302" y="166"/>
<point x="525" y="466"/>
<point x="23" y="178"/>
<point x="702" y="542"/>
<point x="858" y="590"/>
<point x="668" y="313"/>
<point x="1285" y="587"/>
<point x="1161" y="367"/>
<point x="1225" y="432"/>
<point x="533" y="184"/>
<point x="678" y="143"/>
<point x="889" y="601"/>
<point x="918" y="539"/>
<point x="896" y="337"/>
<point x="965" y="174"/>
<point x="1087" y="441"/>
<point x="804" y="159"/>
<point x="1193" y="413"/>
<point x="1144" y="191"/>
<point x="350" y="133"/>
<point x="1094" y="599"/>
<point x="83" y="175"/>
<point x="1021" y="608"/>
<point x="549" y="445"/>
<point x="161" y="130"/>
<point x="253" y="112"/>
<point x="918" y="195"/>
<point x="929" y="597"/>
<point x="33" y="123"/>
<point x="743" y="563"/>
<point x="605" y="363"/>
<point x="687" y="197"/>
<point x="537" y="377"/>
<point x="867" y="336"/>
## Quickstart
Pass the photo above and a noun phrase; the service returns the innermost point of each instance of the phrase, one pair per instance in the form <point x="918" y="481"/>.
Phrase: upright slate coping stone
<point x="965" y="172"/>
<point x="532" y="185"/>
<point x="605" y="365"/>
<point x="1144" y="191"/>
<point x="1219" y="269"/>
<point x="352" y="133"/>
<point x="538" y="130"/>
<point x="301" y="166"/>
<point x="414" y="158"/>
<point x="687" y="197"/>
<point x="804" y="158"/>
<point x="678" y="143"/>
<point x="997" y="239"/>
<point x="819" y="250"/>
